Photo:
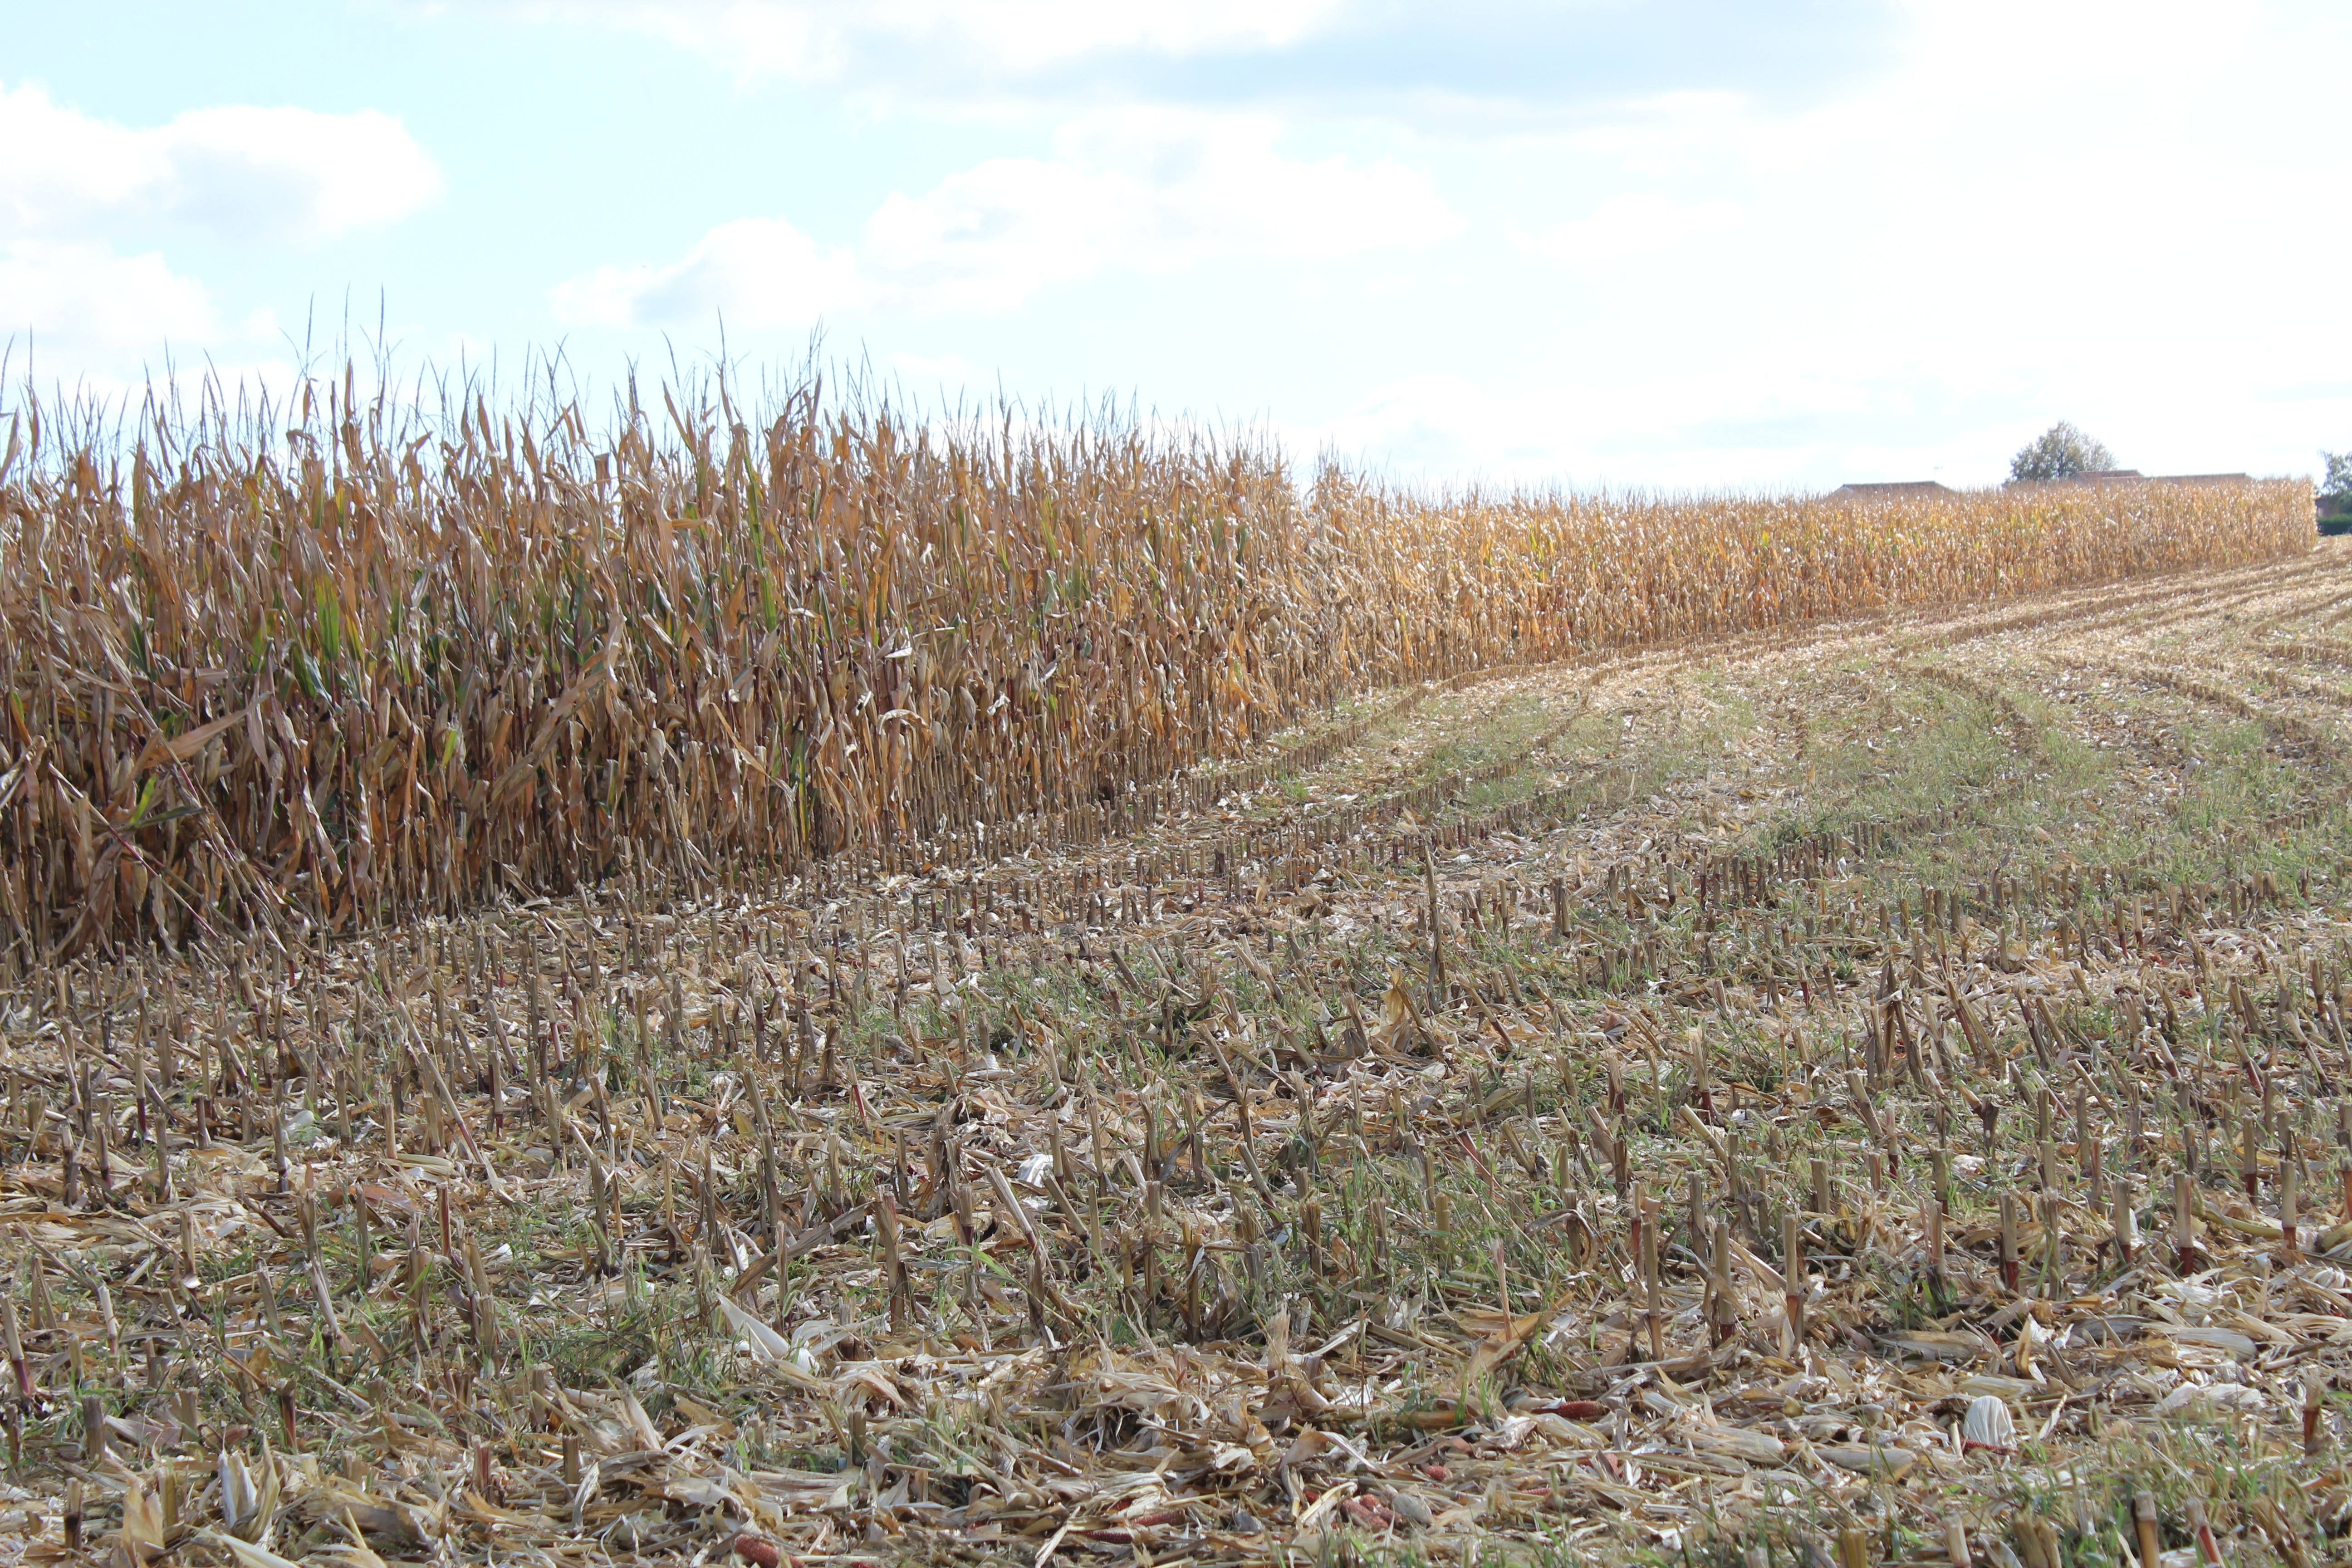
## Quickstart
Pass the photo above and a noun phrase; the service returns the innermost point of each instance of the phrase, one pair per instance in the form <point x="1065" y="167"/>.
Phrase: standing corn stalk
<point x="377" y="665"/>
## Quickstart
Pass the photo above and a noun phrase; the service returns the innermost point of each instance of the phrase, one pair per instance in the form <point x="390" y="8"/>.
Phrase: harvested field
<point x="1873" y="1093"/>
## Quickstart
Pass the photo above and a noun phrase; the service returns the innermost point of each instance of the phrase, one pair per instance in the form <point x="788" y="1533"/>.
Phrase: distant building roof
<point x="2204" y="478"/>
<point x="1894" y="488"/>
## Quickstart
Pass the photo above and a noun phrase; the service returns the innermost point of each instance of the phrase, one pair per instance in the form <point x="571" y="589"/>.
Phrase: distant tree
<point x="2059" y="453"/>
<point x="2335" y="490"/>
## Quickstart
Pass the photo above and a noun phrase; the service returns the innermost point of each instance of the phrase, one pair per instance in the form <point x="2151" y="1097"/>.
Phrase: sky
<point x="1750" y="245"/>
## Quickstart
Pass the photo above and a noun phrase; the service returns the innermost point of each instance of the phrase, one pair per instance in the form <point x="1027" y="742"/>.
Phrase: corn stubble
<point x="379" y="667"/>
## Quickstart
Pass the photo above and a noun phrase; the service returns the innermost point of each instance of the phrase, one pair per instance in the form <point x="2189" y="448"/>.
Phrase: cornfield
<point x="340" y="663"/>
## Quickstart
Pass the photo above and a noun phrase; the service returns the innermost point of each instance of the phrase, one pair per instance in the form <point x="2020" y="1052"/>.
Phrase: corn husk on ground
<point x="1870" y="1094"/>
<point x="329" y="665"/>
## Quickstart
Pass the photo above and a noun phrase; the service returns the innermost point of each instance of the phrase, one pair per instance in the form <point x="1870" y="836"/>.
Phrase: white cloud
<point x="987" y="238"/>
<point x="84" y="200"/>
<point x="1142" y="191"/>
<point x="757" y="272"/>
<point x="72" y="297"/>
<point x="811" y="40"/>
<point x="1137" y="191"/>
<point x="1634" y="224"/>
<point x="2042" y="212"/>
<point x="233" y="173"/>
<point x="2006" y="48"/>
